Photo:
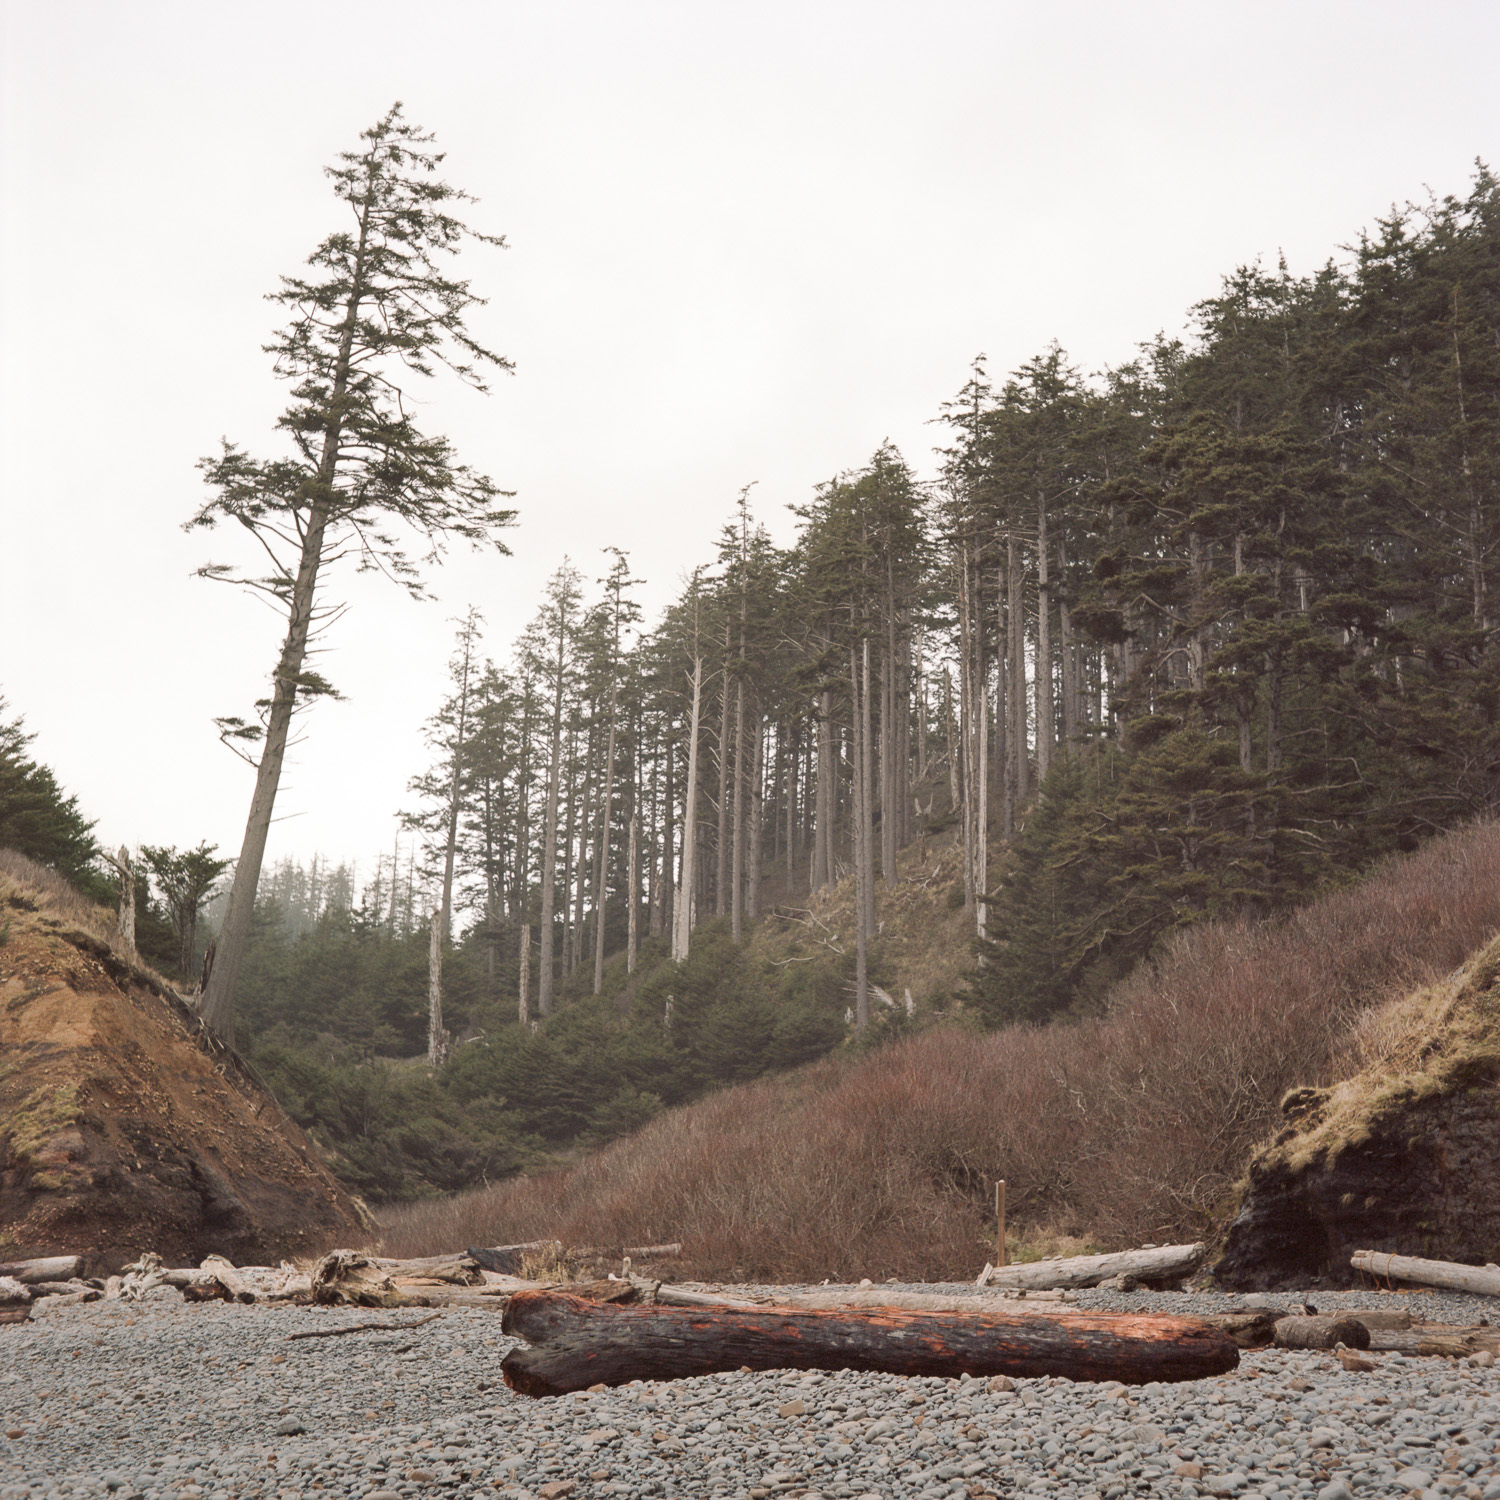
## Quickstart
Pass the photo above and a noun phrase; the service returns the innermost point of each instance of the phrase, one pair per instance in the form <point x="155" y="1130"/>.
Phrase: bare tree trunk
<point x="549" y="838"/>
<point x="126" y="872"/>
<point x="721" y="864"/>
<point x="756" y="814"/>
<point x="437" y="1037"/>
<point x="455" y="782"/>
<point x="523" y="1009"/>
<point x="859" y="718"/>
<point x="1046" y="728"/>
<point x="966" y="711"/>
<point x="1068" y="647"/>
<point x="823" y="815"/>
<point x="633" y="884"/>
<point x="866" y="770"/>
<point x="737" y="820"/>
<point x="684" y="903"/>
<point x="1004" y="749"/>
<point x="602" y="844"/>
<point x="1015" y="596"/>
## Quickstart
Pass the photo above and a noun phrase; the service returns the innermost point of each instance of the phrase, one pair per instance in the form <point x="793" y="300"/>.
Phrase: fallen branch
<point x="579" y="1344"/>
<point x="333" y="1333"/>
<point x="1164" y="1263"/>
<point x="1485" y="1280"/>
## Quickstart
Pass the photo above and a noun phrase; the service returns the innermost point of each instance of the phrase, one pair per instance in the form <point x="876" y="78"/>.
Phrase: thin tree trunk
<point x="1067" y="649"/>
<point x="737" y="820"/>
<point x="861" y="837"/>
<point x="549" y="837"/>
<point x="1046" y="728"/>
<point x="437" y="1037"/>
<point x="756" y="814"/>
<point x="721" y="852"/>
<point x="633" y="883"/>
<point x="866" y="766"/>
<point x="823" y="867"/>
<point x="602" y="844"/>
<point x="1015" y="600"/>
<point x="455" y="785"/>
<point x="523" y="1011"/>
<point x="684" y="903"/>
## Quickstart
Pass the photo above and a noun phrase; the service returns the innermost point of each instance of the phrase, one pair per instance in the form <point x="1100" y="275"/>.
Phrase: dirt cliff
<point x="1402" y="1156"/>
<point x="122" y="1127"/>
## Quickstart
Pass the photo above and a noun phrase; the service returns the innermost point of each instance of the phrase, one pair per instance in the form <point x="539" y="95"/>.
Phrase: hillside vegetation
<point x="1129" y="1127"/>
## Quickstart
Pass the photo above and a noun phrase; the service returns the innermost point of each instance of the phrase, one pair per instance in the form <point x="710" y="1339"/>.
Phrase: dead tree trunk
<point x="523" y="997"/>
<point x="577" y="1343"/>
<point x="437" y="1037"/>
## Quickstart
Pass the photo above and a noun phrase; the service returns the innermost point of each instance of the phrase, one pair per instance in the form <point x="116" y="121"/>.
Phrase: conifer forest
<point x="1200" y="635"/>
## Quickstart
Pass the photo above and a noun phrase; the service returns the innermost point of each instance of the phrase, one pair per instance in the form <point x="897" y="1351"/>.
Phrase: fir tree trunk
<point x="684" y="903"/>
<point x="633" y="884"/>
<point x="861" y="840"/>
<point x="721" y="851"/>
<point x="1046" y="728"/>
<point x="437" y="1037"/>
<point x="1015" y="609"/>
<point x="523" y="1010"/>
<point x="737" y="820"/>
<point x="602" y="845"/>
<point x="823" y="815"/>
<point x="549" y="839"/>
<point x="756" y="815"/>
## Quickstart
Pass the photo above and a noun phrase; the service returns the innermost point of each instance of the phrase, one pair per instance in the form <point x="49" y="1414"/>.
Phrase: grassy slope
<point x="1127" y="1128"/>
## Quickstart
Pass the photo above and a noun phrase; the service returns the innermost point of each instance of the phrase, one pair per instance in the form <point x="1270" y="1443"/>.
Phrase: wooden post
<point x="1000" y="1222"/>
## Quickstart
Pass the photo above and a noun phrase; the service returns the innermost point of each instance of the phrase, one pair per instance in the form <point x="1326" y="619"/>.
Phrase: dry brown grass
<point x="1128" y="1128"/>
<point x="27" y="886"/>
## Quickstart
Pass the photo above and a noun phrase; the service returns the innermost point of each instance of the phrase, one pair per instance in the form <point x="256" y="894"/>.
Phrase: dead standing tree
<point x="377" y="309"/>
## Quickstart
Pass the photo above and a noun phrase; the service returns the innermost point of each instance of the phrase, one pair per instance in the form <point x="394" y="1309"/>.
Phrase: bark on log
<point x="1485" y="1280"/>
<point x="924" y="1301"/>
<point x="225" y="1273"/>
<point x="459" y="1270"/>
<point x="1250" y="1330"/>
<point x="1165" y="1263"/>
<point x="1301" y="1332"/>
<point x="50" y="1268"/>
<point x="580" y="1343"/>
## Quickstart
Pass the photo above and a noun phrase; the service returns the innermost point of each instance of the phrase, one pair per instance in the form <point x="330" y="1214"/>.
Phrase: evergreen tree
<point x="378" y="308"/>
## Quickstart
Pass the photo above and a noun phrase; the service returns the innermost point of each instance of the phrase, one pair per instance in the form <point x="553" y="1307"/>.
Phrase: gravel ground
<point x="161" y="1399"/>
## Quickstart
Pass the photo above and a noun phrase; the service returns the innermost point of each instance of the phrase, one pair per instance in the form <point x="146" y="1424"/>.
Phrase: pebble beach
<point x="161" y="1400"/>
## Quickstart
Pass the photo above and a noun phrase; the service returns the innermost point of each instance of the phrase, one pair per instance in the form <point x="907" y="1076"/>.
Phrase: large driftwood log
<point x="1485" y="1280"/>
<point x="1163" y="1263"/>
<point x="506" y="1259"/>
<point x="579" y="1343"/>
<point x="921" y="1301"/>
<point x="50" y="1268"/>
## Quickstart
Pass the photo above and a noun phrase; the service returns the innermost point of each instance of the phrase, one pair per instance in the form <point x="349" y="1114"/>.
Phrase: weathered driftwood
<point x="1379" y="1317"/>
<point x="1485" y="1280"/>
<point x="679" y="1296"/>
<point x="346" y="1278"/>
<point x="1435" y="1338"/>
<point x="578" y="1343"/>
<point x="1161" y="1264"/>
<point x="458" y="1270"/>
<point x="228" y="1276"/>
<point x="1301" y="1332"/>
<point x="49" y="1268"/>
<point x="15" y="1300"/>
<point x="506" y="1259"/>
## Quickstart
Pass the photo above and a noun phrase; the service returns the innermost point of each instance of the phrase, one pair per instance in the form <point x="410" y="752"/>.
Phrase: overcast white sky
<point x="748" y="241"/>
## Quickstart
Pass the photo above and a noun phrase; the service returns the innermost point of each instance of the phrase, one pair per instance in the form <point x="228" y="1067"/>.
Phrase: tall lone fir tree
<point x="376" y="310"/>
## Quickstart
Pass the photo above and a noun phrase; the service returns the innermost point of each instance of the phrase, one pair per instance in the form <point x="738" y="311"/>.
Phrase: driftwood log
<point x="577" y="1343"/>
<point x="15" y="1300"/>
<point x="51" y="1268"/>
<point x="1323" y="1332"/>
<point x="1161" y="1264"/>
<point x="1447" y="1274"/>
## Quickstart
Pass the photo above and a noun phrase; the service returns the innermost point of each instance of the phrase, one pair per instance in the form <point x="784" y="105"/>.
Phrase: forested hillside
<point x="1194" y="637"/>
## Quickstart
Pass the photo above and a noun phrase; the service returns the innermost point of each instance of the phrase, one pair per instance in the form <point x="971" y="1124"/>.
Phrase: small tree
<point x="187" y="882"/>
<point x="377" y="309"/>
